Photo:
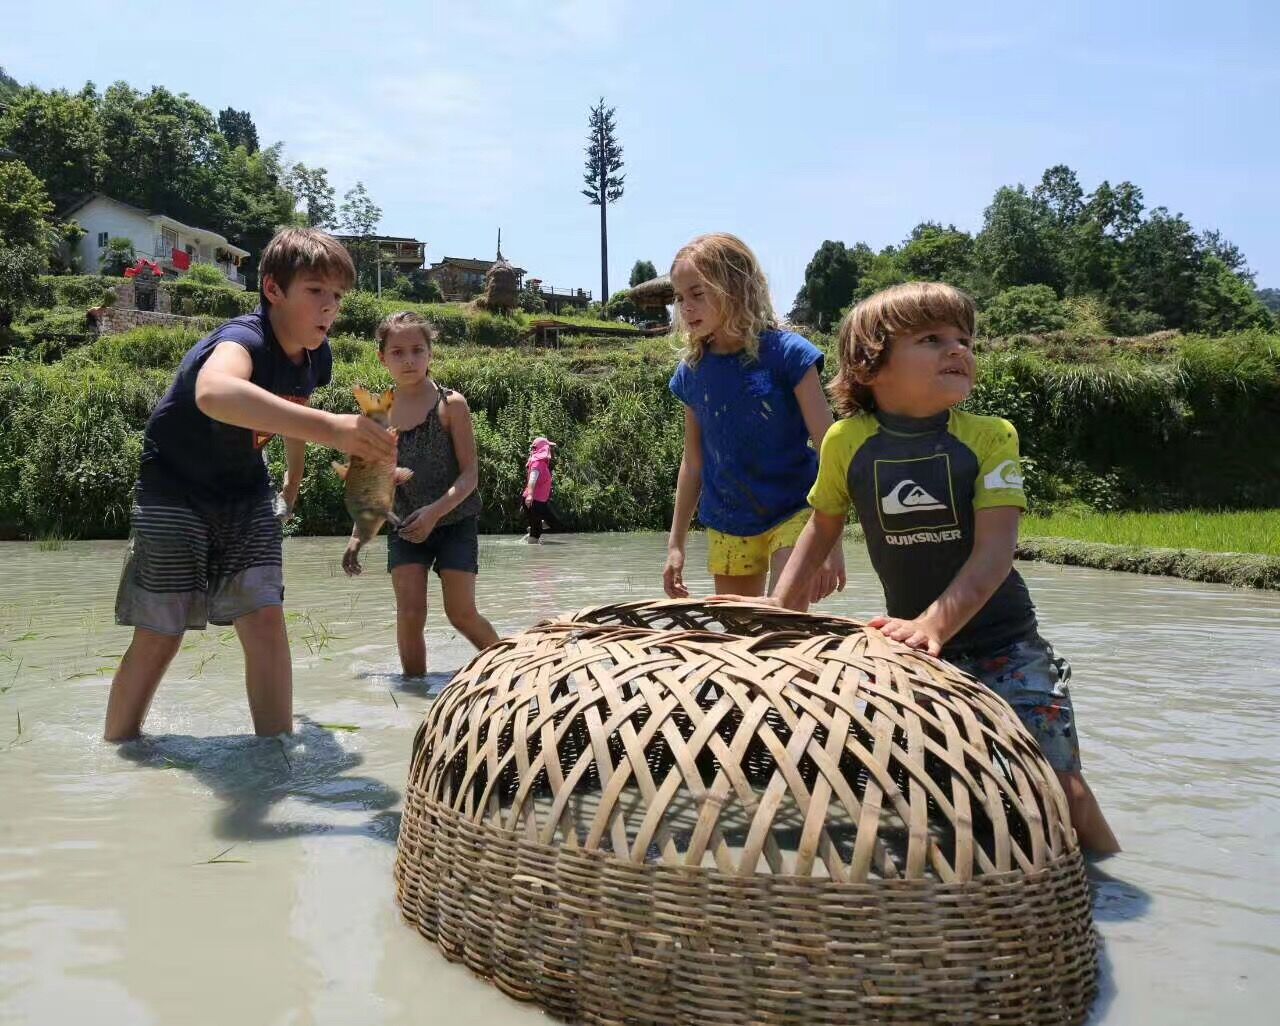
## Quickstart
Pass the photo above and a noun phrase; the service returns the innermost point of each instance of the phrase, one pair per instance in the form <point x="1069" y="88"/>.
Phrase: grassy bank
<point x="1239" y="548"/>
<point x="1176" y="423"/>
<point x="1247" y="531"/>
<point x="1241" y="569"/>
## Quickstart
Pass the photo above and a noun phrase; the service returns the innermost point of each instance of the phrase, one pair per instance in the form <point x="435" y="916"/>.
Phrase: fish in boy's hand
<point x="371" y="486"/>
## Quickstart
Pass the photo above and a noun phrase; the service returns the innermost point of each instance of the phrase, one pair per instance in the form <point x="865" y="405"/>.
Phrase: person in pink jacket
<point x="537" y="489"/>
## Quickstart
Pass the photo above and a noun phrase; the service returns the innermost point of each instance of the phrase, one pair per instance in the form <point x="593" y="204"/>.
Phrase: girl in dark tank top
<point x="439" y="506"/>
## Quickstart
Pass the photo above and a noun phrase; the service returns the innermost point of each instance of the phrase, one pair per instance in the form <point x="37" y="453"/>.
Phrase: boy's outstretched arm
<point x="225" y="393"/>
<point x="816" y="541"/>
<point x="995" y="536"/>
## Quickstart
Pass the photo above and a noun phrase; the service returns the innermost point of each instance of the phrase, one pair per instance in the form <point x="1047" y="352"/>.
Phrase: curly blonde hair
<point x="732" y="274"/>
<point x="862" y="342"/>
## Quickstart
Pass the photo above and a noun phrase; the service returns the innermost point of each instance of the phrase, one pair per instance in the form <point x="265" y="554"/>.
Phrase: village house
<point x="400" y="252"/>
<point x="461" y="279"/>
<point x="166" y="241"/>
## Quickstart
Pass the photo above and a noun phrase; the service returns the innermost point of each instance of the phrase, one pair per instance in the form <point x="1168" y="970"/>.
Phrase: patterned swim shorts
<point x="189" y="566"/>
<point x="1033" y="680"/>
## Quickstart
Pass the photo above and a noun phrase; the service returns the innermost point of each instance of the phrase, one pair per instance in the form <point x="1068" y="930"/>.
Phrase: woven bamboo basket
<point x="732" y="824"/>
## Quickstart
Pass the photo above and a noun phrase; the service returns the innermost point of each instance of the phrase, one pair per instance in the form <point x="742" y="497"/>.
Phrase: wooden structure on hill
<point x="547" y="331"/>
<point x="654" y="294"/>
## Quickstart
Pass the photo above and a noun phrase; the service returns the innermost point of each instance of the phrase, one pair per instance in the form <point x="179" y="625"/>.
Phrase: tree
<point x="1060" y="197"/>
<point x="883" y="271"/>
<point x="25" y="210"/>
<point x="1225" y="301"/>
<point x="8" y="86"/>
<point x="1213" y="243"/>
<point x="161" y="151"/>
<point x="59" y="137"/>
<point x="604" y="183"/>
<point x="1023" y="309"/>
<point x="418" y="288"/>
<point x="934" y="253"/>
<point x="1161" y="264"/>
<point x="830" y="280"/>
<point x="1270" y="298"/>
<point x="1015" y="246"/>
<point x="26" y="236"/>
<point x="118" y="256"/>
<point x="238" y="129"/>
<point x="642" y="271"/>
<point x="359" y="216"/>
<point x="20" y="270"/>
<point x="621" y="308"/>
<point x="311" y="187"/>
<point x="1117" y="209"/>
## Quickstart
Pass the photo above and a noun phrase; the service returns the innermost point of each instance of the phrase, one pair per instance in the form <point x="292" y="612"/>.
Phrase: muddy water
<point x="205" y="876"/>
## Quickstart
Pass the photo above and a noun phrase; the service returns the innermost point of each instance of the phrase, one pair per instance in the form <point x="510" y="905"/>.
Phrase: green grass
<point x="1255" y="531"/>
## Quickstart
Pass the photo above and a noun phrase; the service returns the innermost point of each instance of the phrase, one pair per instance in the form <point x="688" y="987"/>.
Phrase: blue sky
<point x="787" y="123"/>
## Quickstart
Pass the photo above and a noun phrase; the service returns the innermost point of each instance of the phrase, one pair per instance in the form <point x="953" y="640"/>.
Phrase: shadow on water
<point x="1114" y="901"/>
<point x="251" y="775"/>
<point x="1106" y="986"/>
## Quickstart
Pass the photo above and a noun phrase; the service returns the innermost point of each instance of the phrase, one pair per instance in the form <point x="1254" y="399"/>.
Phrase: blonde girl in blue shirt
<point x="753" y="402"/>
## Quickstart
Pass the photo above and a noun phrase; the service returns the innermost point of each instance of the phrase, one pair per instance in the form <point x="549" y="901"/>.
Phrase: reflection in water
<point x="113" y="908"/>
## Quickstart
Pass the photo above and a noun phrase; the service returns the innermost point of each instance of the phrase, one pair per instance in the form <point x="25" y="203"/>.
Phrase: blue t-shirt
<point x="757" y="465"/>
<point x="187" y="452"/>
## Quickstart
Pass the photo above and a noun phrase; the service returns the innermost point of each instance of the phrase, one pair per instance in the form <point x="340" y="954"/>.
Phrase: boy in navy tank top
<point x="205" y="540"/>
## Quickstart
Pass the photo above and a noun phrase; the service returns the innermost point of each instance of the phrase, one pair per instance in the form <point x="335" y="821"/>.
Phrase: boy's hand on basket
<point x="918" y="633"/>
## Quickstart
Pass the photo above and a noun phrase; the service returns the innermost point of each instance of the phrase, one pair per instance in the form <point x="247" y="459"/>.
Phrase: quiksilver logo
<point x="1006" y="475"/>
<point x="909" y="497"/>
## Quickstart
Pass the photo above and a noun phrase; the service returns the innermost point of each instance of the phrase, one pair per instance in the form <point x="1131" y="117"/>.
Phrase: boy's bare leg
<point x="459" y="589"/>
<point x="134" y="685"/>
<point x="1091" y="825"/>
<point x="268" y="670"/>
<point x="410" y="583"/>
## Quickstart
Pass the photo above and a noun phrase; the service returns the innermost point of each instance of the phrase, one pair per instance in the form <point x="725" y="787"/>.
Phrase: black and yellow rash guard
<point x="915" y="484"/>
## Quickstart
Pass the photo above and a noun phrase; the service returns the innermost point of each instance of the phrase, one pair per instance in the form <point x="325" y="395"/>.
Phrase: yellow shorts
<point x="732" y="555"/>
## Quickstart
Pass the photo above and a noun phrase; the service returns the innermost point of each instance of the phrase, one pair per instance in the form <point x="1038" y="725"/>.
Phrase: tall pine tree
<point x="604" y="183"/>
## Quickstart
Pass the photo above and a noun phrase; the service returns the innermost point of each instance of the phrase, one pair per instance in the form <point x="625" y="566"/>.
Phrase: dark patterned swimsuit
<point x="427" y="450"/>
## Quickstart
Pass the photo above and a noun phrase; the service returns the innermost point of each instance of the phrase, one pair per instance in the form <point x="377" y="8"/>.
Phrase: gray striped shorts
<point x="190" y="566"/>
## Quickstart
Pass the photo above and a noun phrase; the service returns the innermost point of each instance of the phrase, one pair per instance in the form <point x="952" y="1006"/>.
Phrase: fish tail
<point x="374" y="402"/>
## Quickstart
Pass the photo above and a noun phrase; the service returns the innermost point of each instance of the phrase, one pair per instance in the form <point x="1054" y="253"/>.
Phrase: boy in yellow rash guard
<point x="938" y="493"/>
